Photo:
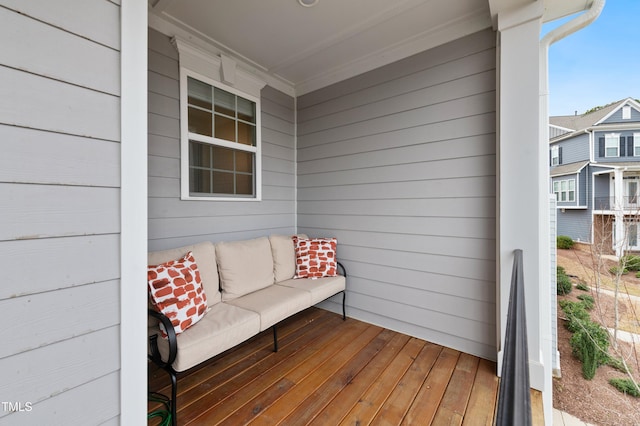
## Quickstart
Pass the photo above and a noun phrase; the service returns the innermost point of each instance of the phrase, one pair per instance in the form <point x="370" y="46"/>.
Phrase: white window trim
<point x="636" y="144"/>
<point x="608" y="137"/>
<point x="555" y="155"/>
<point x="559" y="192"/>
<point x="220" y="72"/>
<point x="626" y="112"/>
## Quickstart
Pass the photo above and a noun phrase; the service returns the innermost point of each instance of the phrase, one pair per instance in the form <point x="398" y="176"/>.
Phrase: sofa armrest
<point x="171" y="336"/>
<point x="344" y="270"/>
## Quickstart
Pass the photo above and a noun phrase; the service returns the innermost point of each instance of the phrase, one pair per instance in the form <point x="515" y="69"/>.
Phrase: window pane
<point x="200" y="122"/>
<point x="199" y="154"/>
<point x="223" y="158"/>
<point x="244" y="184"/>
<point x="572" y="184"/>
<point x="572" y="195"/>
<point x="246" y="134"/>
<point x="633" y="234"/>
<point x="563" y="185"/>
<point x="200" y="180"/>
<point x="556" y="186"/>
<point x="199" y="93"/>
<point x="225" y="128"/>
<point x="222" y="183"/>
<point x="244" y="162"/>
<point x="246" y="110"/>
<point x="225" y="102"/>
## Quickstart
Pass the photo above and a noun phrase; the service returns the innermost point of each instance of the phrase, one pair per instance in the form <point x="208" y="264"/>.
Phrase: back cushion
<point x="284" y="256"/>
<point x="205" y="256"/>
<point x="244" y="266"/>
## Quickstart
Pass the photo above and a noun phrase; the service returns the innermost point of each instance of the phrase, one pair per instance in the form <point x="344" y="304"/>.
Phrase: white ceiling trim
<point x="169" y="27"/>
<point x="428" y="39"/>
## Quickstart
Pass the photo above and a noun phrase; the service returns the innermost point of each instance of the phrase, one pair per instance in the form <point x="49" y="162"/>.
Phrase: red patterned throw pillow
<point x="176" y="290"/>
<point x="315" y="257"/>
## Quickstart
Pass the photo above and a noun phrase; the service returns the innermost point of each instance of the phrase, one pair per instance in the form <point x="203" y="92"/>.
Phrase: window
<point x="555" y="155"/>
<point x="220" y="128"/>
<point x="612" y="145"/>
<point x="565" y="190"/>
<point x="636" y="144"/>
<point x="223" y="141"/>
<point x="626" y="112"/>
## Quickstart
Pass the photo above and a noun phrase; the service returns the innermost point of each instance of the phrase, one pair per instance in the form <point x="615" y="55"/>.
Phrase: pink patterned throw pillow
<point x="315" y="257"/>
<point x="176" y="290"/>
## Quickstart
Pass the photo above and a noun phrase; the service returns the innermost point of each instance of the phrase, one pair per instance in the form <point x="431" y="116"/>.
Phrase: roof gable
<point x="615" y="115"/>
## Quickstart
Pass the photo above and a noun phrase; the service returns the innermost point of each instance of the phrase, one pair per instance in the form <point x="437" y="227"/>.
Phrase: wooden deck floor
<point x="333" y="372"/>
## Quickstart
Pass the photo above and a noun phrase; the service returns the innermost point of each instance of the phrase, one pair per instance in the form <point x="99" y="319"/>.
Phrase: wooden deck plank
<point x="395" y="407"/>
<point x="369" y="405"/>
<point x="351" y="394"/>
<point x="310" y="377"/>
<point x="454" y="403"/>
<point x="318" y="400"/>
<point x="244" y="387"/>
<point x="330" y="371"/>
<point x="428" y="400"/>
<point x="482" y="401"/>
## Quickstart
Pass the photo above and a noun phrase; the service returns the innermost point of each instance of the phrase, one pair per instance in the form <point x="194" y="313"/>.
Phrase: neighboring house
<point x="414" y="131"/>
<point x="595" y="175"/>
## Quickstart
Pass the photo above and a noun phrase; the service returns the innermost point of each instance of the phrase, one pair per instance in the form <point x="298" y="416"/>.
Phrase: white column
<point x="523" y="187"/>
<point x="618" y="208"/>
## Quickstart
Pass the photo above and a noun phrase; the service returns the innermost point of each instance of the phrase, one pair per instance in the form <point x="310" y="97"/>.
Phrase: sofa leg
<point x="275" y="339"/>
<point x="174" y="397"/>
<point x="344" y="309"/>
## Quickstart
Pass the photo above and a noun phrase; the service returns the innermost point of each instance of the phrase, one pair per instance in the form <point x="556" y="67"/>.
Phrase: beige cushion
<point x="244" y="266"/>
<point x="320" y="288"/>
<point x="222" y="328"/>
<point x="205" y="256"/>
<point x="284" y="256"/>
<point x="274" y="303"/>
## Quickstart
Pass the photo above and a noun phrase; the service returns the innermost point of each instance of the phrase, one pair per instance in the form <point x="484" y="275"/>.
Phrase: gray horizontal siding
<point x="399" y="165"/>
<point x="60" y="228"/>
<point x="575" y="224"/>
<point x="575" y="149"/>
<point x="174" y="222"/>
<point x="616" y="117"/>
<point x="627" y="157"/>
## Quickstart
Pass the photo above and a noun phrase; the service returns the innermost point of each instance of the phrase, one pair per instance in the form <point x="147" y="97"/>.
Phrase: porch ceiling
<point x="307" y="48"/>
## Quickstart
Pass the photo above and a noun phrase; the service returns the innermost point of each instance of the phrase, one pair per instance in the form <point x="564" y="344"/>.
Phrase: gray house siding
<point x="601" y="188"/>
<point x="60" y="186"/>
<point x="616" y="117"/>
<point x="575" y="224"/>
<point x="574" y="149"/>
<point x="399" y="165"/>
<point x="583" y="187"/>
<point x="174" y="222"/>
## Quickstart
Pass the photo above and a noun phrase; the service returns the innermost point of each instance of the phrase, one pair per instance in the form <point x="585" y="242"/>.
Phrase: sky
<point x="599" y="64"/>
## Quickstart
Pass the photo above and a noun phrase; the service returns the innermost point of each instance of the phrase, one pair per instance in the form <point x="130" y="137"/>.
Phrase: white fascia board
<point x="568" y="136"/>
<point x="561" y="128"/>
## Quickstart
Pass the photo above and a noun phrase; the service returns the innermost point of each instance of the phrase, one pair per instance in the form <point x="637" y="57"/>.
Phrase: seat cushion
<point x="284" y="256"/>
<point x="222" y="328"/>
<point x="274" y="303"/>
<point x="244" y="266"/>
<point x="319" y="288"/>
<point x="205" y="256"/>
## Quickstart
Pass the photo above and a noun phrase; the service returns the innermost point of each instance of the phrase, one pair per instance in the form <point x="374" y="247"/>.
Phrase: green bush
<point x="564" y="242"/>
<point x="590" y="344"/>
<point x="631" y="262"/>
<point x="625" y="386"/>
<point x="614" y="270"/>
<point x="583" y="286"/>
<point x="563" y="285"/>
<point x="587" y="301"/>
<point x="576" y="314"/>
<point x="637" y="274"/>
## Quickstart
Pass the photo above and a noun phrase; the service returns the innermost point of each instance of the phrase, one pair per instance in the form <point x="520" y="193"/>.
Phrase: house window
<point x="222" y="140"/>
<point x="565" y="190"/>
<point x="612" y="145"/>
<point x="626" y="112"/>
<point x="636" y="144"/>
<point x="555" y="155"/>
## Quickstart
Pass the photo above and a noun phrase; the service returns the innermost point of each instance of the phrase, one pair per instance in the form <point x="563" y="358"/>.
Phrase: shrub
<point x="631" y="262"/>
<point x="625" y="386"/>
<point x="583" y="286"/>
<point x="576" y="314"/>
<point x="587" y="301"/>
<point x="590" y="344"/>
<point x="563" y="285"/>
<point x="564" y="242"/>
<point x="637" y="274"/>
<point x="614" y="270"/>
